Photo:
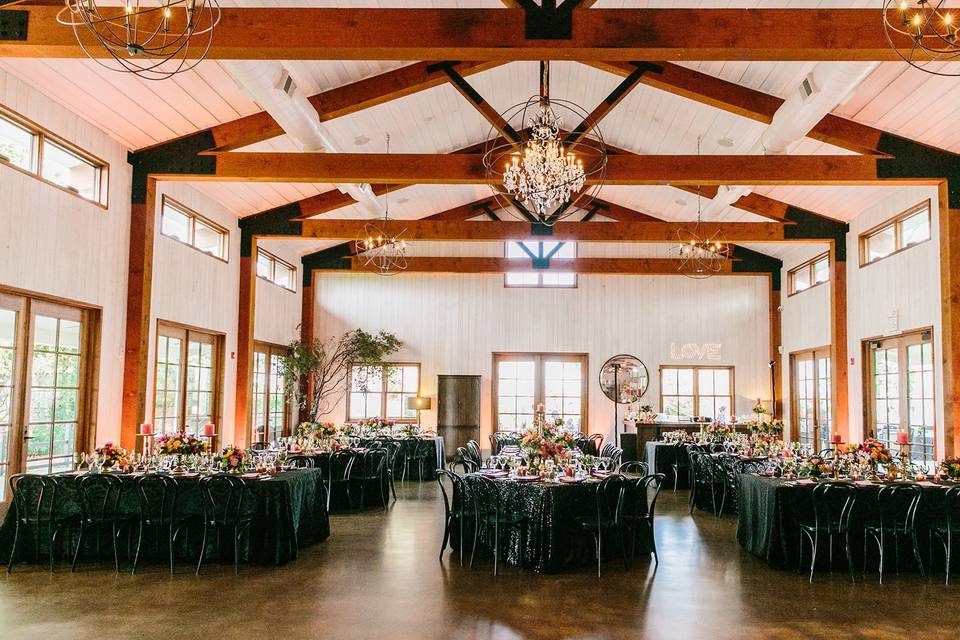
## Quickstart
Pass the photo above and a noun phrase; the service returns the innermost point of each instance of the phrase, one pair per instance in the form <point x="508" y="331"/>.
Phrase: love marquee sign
<point x="696" y="351"/>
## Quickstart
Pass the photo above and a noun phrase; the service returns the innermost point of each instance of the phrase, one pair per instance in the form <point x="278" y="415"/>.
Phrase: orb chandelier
<point x="153" y="39"/>
<point x="383" y="251"/>
<point x="932" y="29"/>
<point x="532" y="161"/>
<point x="702" y="254"/>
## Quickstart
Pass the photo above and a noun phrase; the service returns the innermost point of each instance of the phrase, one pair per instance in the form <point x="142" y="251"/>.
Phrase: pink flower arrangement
<point x="113" y="456"/>
<point x="233" y="459"/>
<point x="180" y="444"/>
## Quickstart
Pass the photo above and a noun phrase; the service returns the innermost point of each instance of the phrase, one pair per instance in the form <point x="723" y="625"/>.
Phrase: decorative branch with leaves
<point x="326" y="363"/>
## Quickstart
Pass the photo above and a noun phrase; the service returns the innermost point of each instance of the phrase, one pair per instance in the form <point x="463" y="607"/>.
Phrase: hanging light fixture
<point x="702" y="254"/>
<point x="383" y="251"/>
<point x="153" y="39"/>
<point x="532" y="161"/>
<point x="932" y="29"/>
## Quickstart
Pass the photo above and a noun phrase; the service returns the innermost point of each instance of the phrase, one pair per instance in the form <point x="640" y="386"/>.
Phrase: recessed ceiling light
<point x="402" y="200"/>
<point x="361" y="140"/>
<point x="680" y="202"/>
<point x="428" y="119"/>
<point x="725" y="142"/>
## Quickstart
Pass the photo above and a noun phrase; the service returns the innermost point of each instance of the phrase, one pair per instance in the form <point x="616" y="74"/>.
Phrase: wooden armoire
<point x="458" y="411"/>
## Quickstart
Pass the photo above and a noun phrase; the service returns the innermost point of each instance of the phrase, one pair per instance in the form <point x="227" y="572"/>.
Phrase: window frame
<point x="274" y="261"/>
<point x="384" y="367"/>
<point x="808" y="265"/>
<point x="895" y="224"/>
<point x="194" y="216"/>
<point x="817" y="435"/>
<point x="183" y="332"/>
<point x="539" y="272"/>
<point x="40" y="135"/>
<point x="539" y="382"/>
<point x="696" y="385"/>
<point x="901" y="341"/>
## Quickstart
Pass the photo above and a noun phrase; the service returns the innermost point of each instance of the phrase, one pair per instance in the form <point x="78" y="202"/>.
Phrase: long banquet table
<point x="553" y="539"/>
<point x="436" y="457"/>
<point x="661" y="456"/>
<point x="289" y="514"/>
<point x="769" y="511"/>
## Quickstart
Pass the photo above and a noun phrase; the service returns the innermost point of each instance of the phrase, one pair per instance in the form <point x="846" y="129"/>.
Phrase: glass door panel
<point x="562" y="391"/>
<point x="9" y="318"/>
<point x="276" y="404"/>
<point x="259" y="421"/>
<point x="54" y="389"/>
<point x="824" y="421"/>
<point x="199" y="384"/>
<point x="516" y="389"/>
<point x="805" y="401"/>
<point x="886" y="398"/>
<point x="920" y="411"/>
<point x="166" y="410"/>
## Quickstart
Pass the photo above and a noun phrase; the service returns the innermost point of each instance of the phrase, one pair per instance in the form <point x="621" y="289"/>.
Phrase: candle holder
<point x="209" y="438"/>
<point x="144" y="442"/>
<point x="836" y="463"/>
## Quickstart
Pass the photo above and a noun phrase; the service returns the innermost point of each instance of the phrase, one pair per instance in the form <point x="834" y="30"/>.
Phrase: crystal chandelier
<point x="539" y="171"/>
<point x="932" y="29"/>
<point x="702" y="254"/>
<point x="149" y="38"/>
<point x="382" y="250"/>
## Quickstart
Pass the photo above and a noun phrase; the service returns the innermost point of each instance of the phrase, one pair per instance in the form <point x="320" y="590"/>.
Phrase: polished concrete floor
<point x="378" y="577"/>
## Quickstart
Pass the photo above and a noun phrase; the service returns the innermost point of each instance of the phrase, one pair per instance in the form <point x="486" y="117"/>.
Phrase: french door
<point x="187" y="380"/>
<point x="811" y="400"/>
<point x="900" y="392"/>
<point x="270" y="407"/>
<point x="45" y="406"/>
<point x="524" y="380"/>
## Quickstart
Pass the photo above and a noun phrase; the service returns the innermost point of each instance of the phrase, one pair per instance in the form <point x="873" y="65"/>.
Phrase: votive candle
<point x="209" y="429"/>
<point x="835" y="438"/>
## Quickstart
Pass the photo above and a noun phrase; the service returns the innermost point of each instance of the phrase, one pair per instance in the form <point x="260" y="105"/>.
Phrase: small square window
<point x="69" y="170"/>
<point x="821" y="270"/>
<point x="16" y="144"/>
<point x="189" y="227"/>
<point x="881" y="243"/>
<point x="915" y="229"/>
<point x="275" y="270"/>
<point x="910" y="228"/>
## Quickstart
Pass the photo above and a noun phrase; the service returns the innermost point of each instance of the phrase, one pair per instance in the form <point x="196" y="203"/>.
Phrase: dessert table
<point x="289" y="513"/>
<point x="770" y="510"/>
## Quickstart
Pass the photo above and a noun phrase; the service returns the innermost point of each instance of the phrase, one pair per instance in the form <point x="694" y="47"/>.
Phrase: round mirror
<point x="624" y="379"/>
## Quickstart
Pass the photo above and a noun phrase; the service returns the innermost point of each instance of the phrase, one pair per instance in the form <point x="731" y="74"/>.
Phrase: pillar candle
<point x="835" y="438"/>
<point x="146" y="428"/>
<point x="209" y="429"/>
<point x="903" y="437"/>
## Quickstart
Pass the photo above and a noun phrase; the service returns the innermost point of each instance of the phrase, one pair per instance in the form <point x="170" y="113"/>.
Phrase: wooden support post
<point x="839" y="389"/>
<point x="775" y="342"/>
<point x="136" y="355"/>
<point x="950" y="322"/>
<point x="242" y="434"/>
<point x="307" y="330"/>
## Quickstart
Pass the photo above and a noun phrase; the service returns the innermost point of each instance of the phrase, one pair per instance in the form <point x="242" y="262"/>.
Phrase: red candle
<point x="209" y="429"/>
<point x="903" y="437"/>
<point x="146" y="428"/>
<point x="835" y="438"/>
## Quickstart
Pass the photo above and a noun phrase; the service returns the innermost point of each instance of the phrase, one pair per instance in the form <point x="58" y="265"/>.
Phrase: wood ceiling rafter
<point x="512" y="34"/>
<point x="493" y="265"/>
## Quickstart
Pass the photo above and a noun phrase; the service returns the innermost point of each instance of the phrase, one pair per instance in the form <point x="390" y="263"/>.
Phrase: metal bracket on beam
<point x="548" y="21"/>
<point x="539" y="229"/>
<point x="914" y="160"/>
<point x="13" y="24"/>
<point x="812" y="226"/>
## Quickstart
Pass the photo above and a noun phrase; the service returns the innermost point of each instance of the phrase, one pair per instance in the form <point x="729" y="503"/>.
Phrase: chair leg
<point x="949" y="555"/>
<point x="880" y="544"/>
<point x="653" y="544"/>
<point x="76" y="554"/>
<point x="113" y="538"/>
<point x="496" y="545"/>
<point x="623" y="550"/>
<point x="13" y="547"/>
<point x="236" y="551"/>
<point x="203" y="546"/>
<point x="446" y="536"/>
<point x="849" y="555"/>
<point x="916" y="553"/>
<point x="599" y="551"/>
<point x="813" y="554"/>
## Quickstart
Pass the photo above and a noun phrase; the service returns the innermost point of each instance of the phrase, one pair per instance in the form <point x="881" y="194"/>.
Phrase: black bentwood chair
<point x="639" y="508"/>
<point x="99" y="495"/>
<point x="393" y="449"/>
<point x="415" y="453"/>
<point x="454" y="507"/>
<point x="300" y="462"/>
<point x="898" y="519"/>
<point x="157" y="497"/>
<point x="338" y="473"/>
<point x="370" y="468"/>
<point x="490" y="512"/>
<point x="709" y="482"/>
<point x="609" y="499"/>
<point x="832" y="505"/>
<point x="945" y="529"/>
<point x="634" y="468"/>
<point x="681" y="463"/>
<point x="224" y="511"/>
<point x="34" y="502"/>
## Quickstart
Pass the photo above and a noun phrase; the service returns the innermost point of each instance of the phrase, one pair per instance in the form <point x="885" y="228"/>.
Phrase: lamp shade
<point x="419" y="403"/>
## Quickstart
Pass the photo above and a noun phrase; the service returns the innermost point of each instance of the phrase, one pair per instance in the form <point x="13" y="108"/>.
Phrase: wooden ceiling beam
<point x="492" y="265"/>
<point x="482" y="231"/>
<point x="468" y="169"/>
<point x="504" y="34"/>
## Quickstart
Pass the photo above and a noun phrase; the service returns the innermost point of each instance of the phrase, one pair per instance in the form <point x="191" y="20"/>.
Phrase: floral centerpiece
<point x="762" y="422"/>
<point x="113" y="457"/>
<point x="875" y="452"/>
<point x="814" y="467"/>
<point x="232" y="459"/>
<point x="716" y="432"/>
<point x="766" y="444"/>
<point x="377" y="424"/>
<point x="180" y="444"/>
<point x="549" y="443"/>
<point x="951" y="467"/>
<point x="410" y="430"/>
<point x="350" y="429"/>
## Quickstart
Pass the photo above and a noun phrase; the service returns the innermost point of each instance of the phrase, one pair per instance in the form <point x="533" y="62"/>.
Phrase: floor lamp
<point x="418" y="404"/>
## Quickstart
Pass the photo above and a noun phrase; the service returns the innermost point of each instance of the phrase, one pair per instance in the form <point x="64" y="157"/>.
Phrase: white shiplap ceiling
<point x="138" y="113"/>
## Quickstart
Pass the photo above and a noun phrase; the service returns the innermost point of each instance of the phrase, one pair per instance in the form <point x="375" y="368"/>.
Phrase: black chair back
<point x="34" y="497"/>
<point x="607" y="450"/>
<point x="461" y="466"/>
<point x="615" y="454"/>
<point x="300" y="462"/>
<point x="483" y="495"/>
<point x="610" y="493"/>
<point x="224" y="500"/>
<point x="638" y="501"/>
<point x="157" y="498"/>
<point x="373" y="465"/>
<point x="473" y="449"/>
<point x="898" y="505"/>
<point x="634" y="468"/>
<point x="454" y="497"/>
<point x="340" y="466"/>
<point x="833" y="503"/>
<point x="99" y="495"/>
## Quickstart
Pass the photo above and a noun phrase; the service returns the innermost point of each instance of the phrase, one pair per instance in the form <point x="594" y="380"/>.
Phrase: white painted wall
<point x="54" y="243"/>
<point x="278" y="310"/>
<point x="908" y="282"/>
<point x="452" y="324"/>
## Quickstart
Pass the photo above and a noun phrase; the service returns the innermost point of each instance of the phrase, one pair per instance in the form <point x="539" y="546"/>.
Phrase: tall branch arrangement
<point x="325" y="363"/>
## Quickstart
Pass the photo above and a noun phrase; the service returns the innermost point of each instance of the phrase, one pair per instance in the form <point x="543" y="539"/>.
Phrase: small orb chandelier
<point x="532" y="161"/>
<point x="149" y="38"/>
<point x="932" y="29"/>
<point x="383" y="251"/>
<point x="702" y="254"/>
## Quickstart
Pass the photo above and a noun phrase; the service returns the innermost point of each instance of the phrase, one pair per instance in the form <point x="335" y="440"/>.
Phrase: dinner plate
<point x="527" y="478"/>
<point x="569" y="480"/>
